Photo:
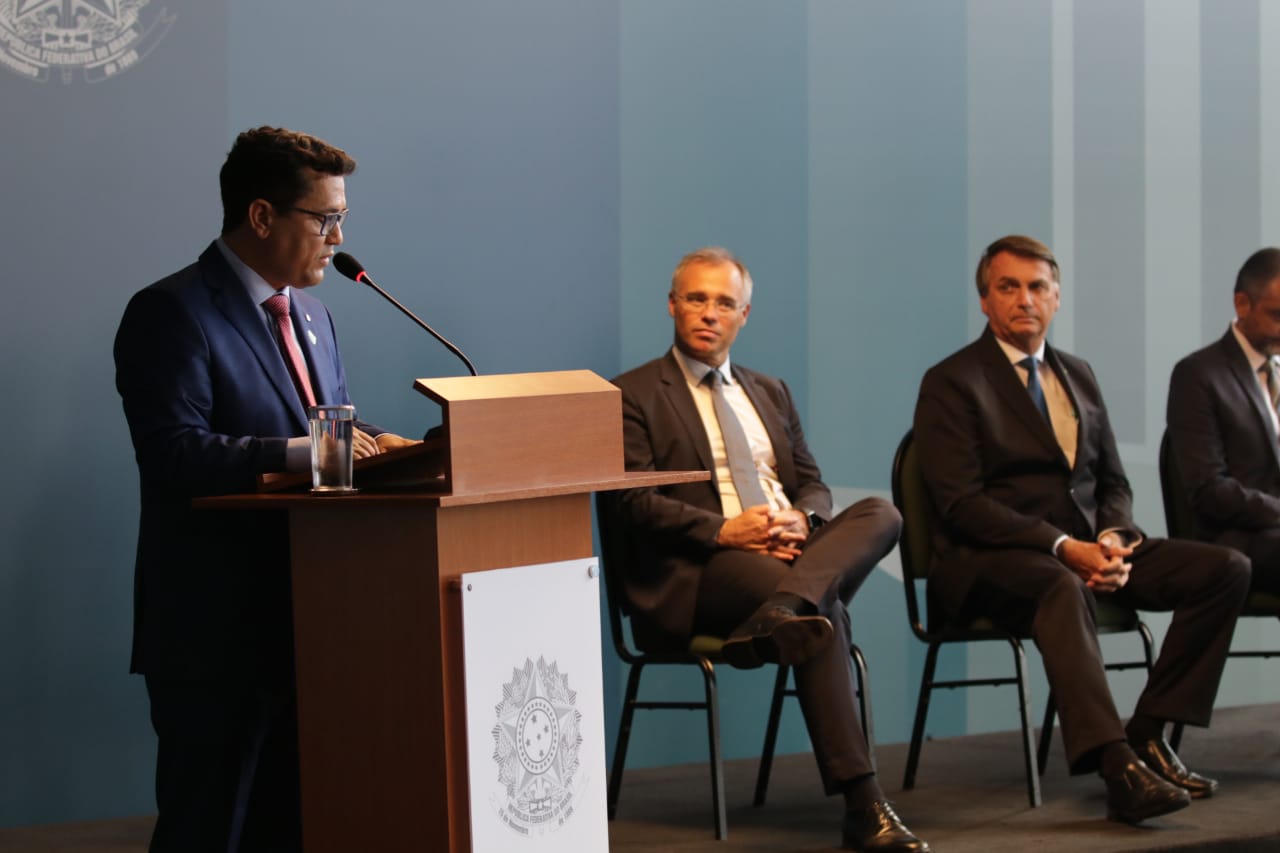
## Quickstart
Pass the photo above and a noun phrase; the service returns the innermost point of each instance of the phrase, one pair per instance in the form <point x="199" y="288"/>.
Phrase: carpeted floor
<point x="970" y="797"/>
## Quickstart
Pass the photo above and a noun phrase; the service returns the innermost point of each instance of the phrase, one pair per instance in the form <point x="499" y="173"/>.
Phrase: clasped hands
<point x="1100" y="564"/>
<point x="364" y="445"/>
<point x="779" y="533"/>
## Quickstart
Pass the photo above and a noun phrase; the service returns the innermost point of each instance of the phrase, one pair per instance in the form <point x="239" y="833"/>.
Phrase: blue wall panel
<point x="887" y="213"/>
<point x="107" y="185"/>
<point x="1231" y="142"/>
<point x="1106" y="281"/>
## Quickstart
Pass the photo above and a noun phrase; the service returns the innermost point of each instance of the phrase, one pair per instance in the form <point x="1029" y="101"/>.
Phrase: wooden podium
<point x="377" y="625"/>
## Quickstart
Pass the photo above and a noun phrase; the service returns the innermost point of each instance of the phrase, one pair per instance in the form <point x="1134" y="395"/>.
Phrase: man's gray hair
<point x="712" y="256"/>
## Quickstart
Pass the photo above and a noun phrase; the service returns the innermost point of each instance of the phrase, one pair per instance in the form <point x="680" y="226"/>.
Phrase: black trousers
<point x="835" y="562"/>
<point x="227" y="767"/>
<point x="1027" y="591"/>
<point x="1262" y="547"/>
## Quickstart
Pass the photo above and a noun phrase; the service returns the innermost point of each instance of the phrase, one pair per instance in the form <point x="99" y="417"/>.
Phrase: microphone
<point x="354" y="270"/>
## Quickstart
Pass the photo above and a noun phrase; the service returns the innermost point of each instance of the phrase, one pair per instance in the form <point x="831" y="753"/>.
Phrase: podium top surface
<point x="445" y="498"/>
<point x="457" y="389"/>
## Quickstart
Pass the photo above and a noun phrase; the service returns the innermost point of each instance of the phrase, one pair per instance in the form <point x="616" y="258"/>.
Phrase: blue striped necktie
<point x="1033" y="386"/>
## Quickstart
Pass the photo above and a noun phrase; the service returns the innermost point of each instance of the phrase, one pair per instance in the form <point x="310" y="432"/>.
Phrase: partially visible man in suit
<point x="754" y="554"/>
<point x="216" y="365"/>
<point x="1223" y="425"/>
<point x="1019" y="457"/>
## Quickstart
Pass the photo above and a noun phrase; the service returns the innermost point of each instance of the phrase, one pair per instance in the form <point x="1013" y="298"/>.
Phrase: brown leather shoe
<point x="877" y="829"/>
<point x="775" y="634"/>
<point x="1160" y="757"/>
<point x="1138" y="793"/>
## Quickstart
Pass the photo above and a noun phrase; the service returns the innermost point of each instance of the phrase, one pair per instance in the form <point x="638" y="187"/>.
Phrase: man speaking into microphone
<point x="216" y="365"/>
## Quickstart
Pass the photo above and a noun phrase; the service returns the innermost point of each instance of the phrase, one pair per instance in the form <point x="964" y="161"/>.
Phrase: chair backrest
<point x="911" y="497"/>
<point x="613" y="552"/>
<point x="1178" y="517"/>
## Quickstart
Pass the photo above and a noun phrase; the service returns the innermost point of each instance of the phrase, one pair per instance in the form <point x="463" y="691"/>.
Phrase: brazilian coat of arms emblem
<point x="536" y="743"/>
<point x="46" y="39"/>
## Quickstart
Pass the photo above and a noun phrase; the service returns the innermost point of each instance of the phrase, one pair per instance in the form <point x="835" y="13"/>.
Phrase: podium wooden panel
<point x="377" y="614"/>
<point x="379" y="638"/>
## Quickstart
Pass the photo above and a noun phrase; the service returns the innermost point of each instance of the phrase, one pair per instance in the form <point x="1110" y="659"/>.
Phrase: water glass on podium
<point x="332" y="449"/>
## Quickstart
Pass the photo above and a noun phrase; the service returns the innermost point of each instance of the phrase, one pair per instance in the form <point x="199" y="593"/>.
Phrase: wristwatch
<point x="815" y="520"/>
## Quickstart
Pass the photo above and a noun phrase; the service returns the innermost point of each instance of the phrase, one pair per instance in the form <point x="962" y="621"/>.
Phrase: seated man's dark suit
<point x="679" y="582"/>
<point x="211" y="405"/>
<point x="1226" y="450"/>
<point x="1006" y="493"/>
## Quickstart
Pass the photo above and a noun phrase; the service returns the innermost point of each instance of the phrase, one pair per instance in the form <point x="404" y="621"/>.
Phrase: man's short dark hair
<point x="273" y="163"/>
<point x="1014" y="244"/>
<point x="1262" y="268"/>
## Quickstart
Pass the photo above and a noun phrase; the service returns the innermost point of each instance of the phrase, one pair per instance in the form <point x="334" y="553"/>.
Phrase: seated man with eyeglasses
<point x="216" y="365"/>
<point x="754" y="555"/>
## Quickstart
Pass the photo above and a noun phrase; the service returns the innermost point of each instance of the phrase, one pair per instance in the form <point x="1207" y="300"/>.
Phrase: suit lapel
<point x="231" y="298"/>
<point x="1004" y="378"/>
<point x="773" y="425"/>
<point x="1242" y="374"/>
<point x="1068" y="382"/>
<point x="677" y="393"/>
<point x="317" y="346"/>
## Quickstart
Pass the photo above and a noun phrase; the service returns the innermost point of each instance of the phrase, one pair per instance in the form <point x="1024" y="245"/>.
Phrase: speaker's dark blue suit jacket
<point x="210" y="406"/>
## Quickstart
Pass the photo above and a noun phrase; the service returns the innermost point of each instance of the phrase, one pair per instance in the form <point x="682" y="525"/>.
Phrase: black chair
<point x="1180" y="521"/>
<point x="704" y="653"/>
<point x="919" y="519"/>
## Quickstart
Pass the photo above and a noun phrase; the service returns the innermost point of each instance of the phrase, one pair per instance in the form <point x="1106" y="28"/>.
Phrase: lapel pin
<point x="311" y="336"/>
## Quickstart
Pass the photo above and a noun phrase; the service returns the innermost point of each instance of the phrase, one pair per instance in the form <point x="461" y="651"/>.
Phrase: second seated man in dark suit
<point x="1223" y="425"/>
<point x="754" y="555"/>
<point x="1021" y="462"/>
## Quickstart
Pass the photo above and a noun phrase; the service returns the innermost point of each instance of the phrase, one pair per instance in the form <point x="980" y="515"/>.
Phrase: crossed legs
<point x="835" y="562"/>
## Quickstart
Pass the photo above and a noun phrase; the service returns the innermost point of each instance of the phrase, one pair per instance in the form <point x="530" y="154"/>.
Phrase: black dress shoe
<point x="775" y="634"/>
<point x="1138" y="793"/>
<point x="1160" y="757"/>
<point x="877" y="829"/>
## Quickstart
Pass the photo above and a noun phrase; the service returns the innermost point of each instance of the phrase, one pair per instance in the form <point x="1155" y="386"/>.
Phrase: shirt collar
<point x="1016" y="355"/>
<point x="696" y="371"/>
<point x="1256" y="359"/>
<point x="257" y="287"/>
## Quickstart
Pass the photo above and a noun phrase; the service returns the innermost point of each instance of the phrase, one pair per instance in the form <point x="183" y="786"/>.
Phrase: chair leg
<point x="1046" y="732"/>
<point x="624" y="738"/>
<point x="1147" y="644"/>
<point x="864" y="703"/>
<point x="771" y="734"/>
<point x="922" y="711"/>
<point x="713" y="737"/>
<point x="1028" y="733"/>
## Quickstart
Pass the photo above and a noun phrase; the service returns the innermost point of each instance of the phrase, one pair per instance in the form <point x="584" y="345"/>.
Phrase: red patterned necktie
<point x="278" y="307"/>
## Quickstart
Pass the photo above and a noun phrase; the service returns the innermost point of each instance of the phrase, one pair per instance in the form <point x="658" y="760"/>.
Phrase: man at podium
<point x="754" y="554"/>
<point x="216" y="365"/>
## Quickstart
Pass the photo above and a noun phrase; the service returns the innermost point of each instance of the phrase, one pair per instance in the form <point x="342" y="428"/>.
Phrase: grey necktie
<point x="1033" y="386"/>
<point x="741" y="464"/>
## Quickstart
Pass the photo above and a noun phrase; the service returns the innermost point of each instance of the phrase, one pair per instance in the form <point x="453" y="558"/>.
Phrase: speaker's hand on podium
<point x="363" y="445"/>
<point x="391" y="441"/>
